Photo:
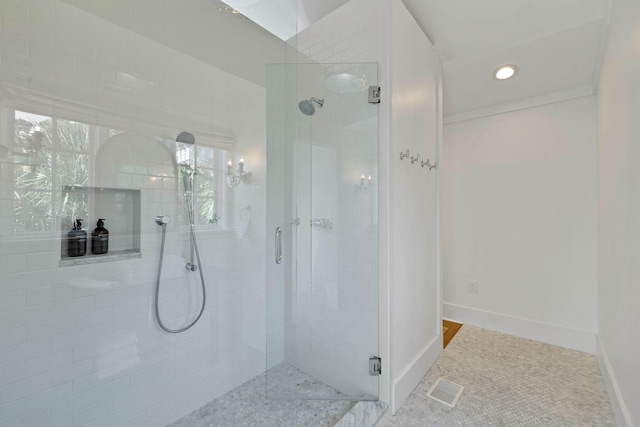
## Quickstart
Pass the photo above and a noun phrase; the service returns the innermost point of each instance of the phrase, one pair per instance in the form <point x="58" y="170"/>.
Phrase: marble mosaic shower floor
<point x="510" y="381"/>
<point x="248" y="406"/>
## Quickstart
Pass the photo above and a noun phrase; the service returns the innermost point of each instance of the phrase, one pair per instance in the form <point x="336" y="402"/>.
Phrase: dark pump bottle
<point x="77" y="240"/>
<point x="100" y="239"/>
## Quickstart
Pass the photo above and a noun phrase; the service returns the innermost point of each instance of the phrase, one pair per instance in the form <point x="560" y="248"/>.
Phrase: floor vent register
<point x="445" y="392"/>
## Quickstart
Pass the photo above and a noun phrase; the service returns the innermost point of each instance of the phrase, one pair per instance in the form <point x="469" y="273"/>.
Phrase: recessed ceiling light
<point x="505" y="72"/>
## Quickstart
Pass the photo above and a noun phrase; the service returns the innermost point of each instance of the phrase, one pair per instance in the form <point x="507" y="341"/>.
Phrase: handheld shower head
<point x="306" y="105"/>
<point x="185" y="143"/>
<point x="186" y="138"/>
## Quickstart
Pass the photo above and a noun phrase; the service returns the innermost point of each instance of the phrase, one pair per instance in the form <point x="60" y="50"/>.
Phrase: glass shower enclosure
<point x="322" y="225"/>
<point x="96" y="99"/>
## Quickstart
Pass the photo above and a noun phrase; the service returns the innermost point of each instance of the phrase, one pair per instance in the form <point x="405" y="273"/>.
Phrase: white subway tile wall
<point x="79" y="345"/>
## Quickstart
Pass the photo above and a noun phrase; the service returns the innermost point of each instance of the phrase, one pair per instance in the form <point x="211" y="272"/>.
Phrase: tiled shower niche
<point x="120" y="209"/>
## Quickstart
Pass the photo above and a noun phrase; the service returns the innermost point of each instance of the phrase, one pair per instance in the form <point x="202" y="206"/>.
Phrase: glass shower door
<point x="322" y="279"/>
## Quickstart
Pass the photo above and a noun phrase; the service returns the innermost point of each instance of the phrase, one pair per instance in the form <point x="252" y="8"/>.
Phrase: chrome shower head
<point x="307" y="107"/>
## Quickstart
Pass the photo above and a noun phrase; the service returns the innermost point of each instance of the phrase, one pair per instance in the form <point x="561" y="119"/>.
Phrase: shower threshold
<point x="248" y="405"/>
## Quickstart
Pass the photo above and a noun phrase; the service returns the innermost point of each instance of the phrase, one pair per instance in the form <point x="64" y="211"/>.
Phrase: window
<point x="205" y="186"/>
<point x="50" y="154"/>
<point x="208" y="184"/>
<point x="47" y="154"/>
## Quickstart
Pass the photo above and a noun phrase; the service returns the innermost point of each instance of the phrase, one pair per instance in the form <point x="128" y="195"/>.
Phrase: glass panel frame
<point x="322" y="301"/>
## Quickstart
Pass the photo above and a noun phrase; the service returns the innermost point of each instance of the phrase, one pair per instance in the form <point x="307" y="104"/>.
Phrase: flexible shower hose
<point x="204" y="293"/>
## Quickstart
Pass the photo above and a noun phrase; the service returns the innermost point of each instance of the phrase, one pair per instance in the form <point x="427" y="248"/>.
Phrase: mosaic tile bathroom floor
<point x="510" y="381"/>
<point x="248" y="406"/>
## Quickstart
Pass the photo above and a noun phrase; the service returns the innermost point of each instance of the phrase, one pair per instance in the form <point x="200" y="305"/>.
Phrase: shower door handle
<point x="278" y="245"/>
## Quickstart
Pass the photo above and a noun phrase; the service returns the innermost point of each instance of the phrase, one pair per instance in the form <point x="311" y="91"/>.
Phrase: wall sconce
<point x="365" y="184"/>
<point x="233" y="179"/>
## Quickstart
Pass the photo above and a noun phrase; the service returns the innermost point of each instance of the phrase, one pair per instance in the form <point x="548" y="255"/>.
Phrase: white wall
<point x="518" y="217"/>
<point x="247" y="220"/>
<point x="416" y="340"/>
<point x="619" y="210"/>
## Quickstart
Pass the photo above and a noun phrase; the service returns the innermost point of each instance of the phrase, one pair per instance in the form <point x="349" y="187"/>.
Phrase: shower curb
<point x="364" y="414"/>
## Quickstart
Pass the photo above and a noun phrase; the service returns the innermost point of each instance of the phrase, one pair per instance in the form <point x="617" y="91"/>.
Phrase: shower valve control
<point x="319" y="223"/>
<point x="162" y="220"/>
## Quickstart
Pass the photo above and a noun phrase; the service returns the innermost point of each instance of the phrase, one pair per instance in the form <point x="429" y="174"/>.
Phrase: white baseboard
<point x="538" y="331"/>
<point x="619" y="409"/>
<point x="407" y="381"/>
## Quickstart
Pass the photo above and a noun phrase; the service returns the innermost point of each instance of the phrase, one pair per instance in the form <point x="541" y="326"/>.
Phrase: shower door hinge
<point x="375" y="366"/>
<point x="374" y="94"/>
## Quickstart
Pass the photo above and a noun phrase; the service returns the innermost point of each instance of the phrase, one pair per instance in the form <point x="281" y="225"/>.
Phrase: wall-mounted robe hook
<point x="404" y="155"/>
<point x="429" y="164"/>
<point x="415" y="159"/>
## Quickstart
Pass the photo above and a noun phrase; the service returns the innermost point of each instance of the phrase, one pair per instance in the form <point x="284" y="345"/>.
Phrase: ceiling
<point x="279" y="16"/>
<point x="556" y="44"/>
